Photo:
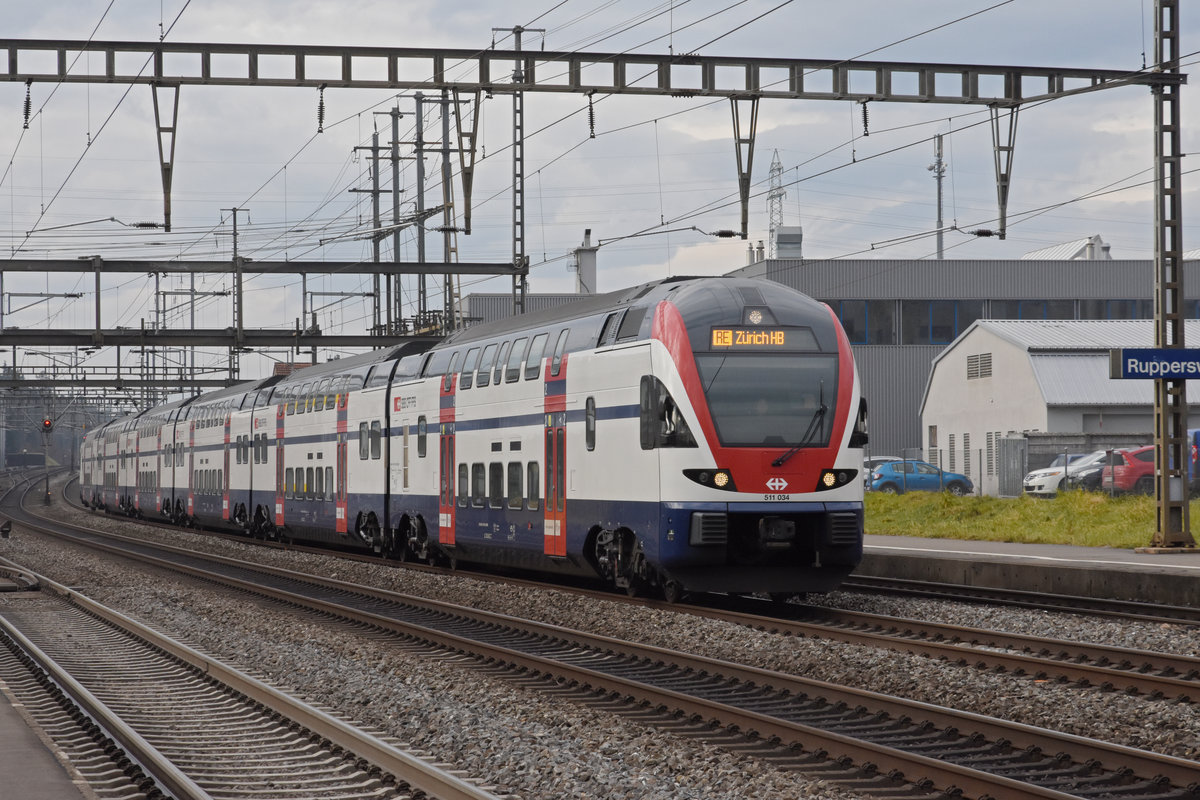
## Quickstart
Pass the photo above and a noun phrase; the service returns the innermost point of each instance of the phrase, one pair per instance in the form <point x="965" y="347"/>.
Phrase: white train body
<point x="699" y="434"/>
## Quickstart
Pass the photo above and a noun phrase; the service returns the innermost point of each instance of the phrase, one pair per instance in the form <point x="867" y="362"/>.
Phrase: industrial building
<point x="1007" y="395"/>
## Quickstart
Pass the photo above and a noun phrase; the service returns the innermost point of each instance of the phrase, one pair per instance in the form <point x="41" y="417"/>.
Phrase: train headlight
<point x="834" y="478"/>
<point x="712" y="478"/>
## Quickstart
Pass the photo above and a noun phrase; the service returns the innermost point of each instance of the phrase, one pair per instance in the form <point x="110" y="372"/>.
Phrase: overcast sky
<point x="655" y="164"/>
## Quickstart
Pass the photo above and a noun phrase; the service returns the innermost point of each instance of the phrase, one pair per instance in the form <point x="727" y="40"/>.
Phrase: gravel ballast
<point x="539" y="746"/>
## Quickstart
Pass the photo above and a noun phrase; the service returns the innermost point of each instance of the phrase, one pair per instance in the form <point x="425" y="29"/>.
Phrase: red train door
<point x="556" y="501"/>
<point x="555" y="464"/>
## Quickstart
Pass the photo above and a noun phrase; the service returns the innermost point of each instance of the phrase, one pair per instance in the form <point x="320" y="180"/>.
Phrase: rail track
<point x="1119" y="609"/>
<point x="894" y="740"/>
<point x="190" y="727"/>
<point x="140" y="715"/>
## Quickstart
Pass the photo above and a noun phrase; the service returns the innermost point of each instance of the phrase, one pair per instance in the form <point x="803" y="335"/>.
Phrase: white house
<point x="1006" y="377"/>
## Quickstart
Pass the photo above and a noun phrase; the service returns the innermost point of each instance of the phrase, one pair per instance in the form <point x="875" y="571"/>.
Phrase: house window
<point x="951" y="447"/>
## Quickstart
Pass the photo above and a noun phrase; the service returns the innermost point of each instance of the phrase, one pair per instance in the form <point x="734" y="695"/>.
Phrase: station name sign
<point x="1154" y="362"/>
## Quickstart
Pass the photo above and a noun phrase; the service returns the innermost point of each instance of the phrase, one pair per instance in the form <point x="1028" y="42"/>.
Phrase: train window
<point x="608" y="332"/>
<point x="376" y="440"/>
<point x="478" y="484"/>
<point x="533" y="363"/>
<point x="329" y="483"/>
<point x="421" y="449"/>
<point x="516" y="358"/>
<point x="464" y="483"/>
<point x="364" y="441"/>
<point x="631" y="324"/>
<point x="331" y="392"/>
<point x="589" y="419"/>
<point x="483" y="376"/>
<point x="319" y="396"/>
<point x="468" y="368"/>
<point x="448" y="381"/>
<point x="560" y="467"/>
<point x="501" y="360"/>
<point x="320" y="484"/>
<point x="307" y="492"/>
<point x="560" y="347"/>
<point x="515" y="494"/>
<point x="220" y="487"/>
<point x="495" y="484"/>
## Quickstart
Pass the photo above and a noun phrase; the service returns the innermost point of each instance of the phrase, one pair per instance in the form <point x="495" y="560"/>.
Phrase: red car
<point x="1131" y="471"/>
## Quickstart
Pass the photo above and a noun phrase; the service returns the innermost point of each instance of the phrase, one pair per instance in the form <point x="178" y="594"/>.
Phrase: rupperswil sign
<point x="1155" y="362"/>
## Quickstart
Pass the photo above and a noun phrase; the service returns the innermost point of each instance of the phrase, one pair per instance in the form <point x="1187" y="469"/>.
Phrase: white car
<point x="1044" y="482"/>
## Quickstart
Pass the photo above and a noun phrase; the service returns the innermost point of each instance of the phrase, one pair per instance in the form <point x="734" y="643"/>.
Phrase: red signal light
<point x="47" y="424"/>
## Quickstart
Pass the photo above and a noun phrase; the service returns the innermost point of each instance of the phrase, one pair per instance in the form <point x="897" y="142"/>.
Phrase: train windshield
<point x="770" y="399"/>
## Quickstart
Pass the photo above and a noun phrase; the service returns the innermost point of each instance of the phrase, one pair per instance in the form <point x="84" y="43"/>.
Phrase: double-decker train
<point x="686" y="435"/>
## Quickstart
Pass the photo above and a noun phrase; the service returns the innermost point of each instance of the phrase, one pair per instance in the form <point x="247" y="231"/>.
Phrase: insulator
<point x="321" y="109"/>
<point x="591" y="118"/>
<point x="28" y="101"/>
<point x="866" y="132"/>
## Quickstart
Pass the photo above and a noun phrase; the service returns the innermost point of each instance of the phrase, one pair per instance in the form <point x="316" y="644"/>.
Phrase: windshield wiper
<point x="814" y="425"/>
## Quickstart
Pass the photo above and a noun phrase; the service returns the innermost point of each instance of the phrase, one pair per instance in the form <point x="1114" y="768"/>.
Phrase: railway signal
<point x="47" y="424"/>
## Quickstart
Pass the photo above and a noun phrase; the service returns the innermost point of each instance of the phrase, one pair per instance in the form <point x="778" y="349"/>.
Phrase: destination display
<point x="751" y="338"/>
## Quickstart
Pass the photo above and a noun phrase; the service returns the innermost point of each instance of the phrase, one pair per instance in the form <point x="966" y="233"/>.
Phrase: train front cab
<point x="760" y="491"/>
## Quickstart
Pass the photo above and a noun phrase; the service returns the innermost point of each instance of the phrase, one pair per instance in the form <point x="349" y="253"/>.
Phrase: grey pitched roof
<point x="1070" y="358"/>
<point x="1074" y="335"/>
<point x="1082" y="380"/>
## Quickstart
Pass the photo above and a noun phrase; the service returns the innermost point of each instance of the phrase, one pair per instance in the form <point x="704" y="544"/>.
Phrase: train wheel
<point x="672" y="590"/>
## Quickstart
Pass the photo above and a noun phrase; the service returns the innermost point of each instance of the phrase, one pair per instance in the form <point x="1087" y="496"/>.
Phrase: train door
<point x="446" y="515"/>
<point x="341" y="525"/>
<point x="446" y="462"/>
<point x="555" y="453"/>
<point x="279" y="442"/>
<point x="225" y="475"/>
<point x="191" y="468"/>
<point x="556" y="501"/>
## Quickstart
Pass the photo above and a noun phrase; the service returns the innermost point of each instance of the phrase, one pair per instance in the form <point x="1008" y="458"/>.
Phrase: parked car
<point x="869" y="465"/>
<point x="904" y="476"/>
<point x="1045" y="482"/>
<point x="1085" y="473"/>
<point x="1131" y="471"/>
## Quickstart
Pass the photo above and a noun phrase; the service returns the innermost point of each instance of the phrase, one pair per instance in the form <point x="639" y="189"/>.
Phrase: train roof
<point x="591" y="305"/>
<point x="237" y="390"/>
<point x="413" y="346"/>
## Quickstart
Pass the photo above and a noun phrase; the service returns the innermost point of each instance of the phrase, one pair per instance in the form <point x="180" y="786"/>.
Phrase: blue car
<point x="895" y="477"/>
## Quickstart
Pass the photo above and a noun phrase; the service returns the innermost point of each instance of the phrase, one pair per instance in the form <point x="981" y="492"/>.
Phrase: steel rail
<point x="167" y="777"/>
<point x="1121" y="609"/>
<point x="414" y="771"/>
<point x="1111" y="757"/>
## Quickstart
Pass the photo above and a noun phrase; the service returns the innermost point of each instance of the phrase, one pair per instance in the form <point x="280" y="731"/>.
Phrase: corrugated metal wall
<point x="893" y="379"/>
<point x="478" y="308"/>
